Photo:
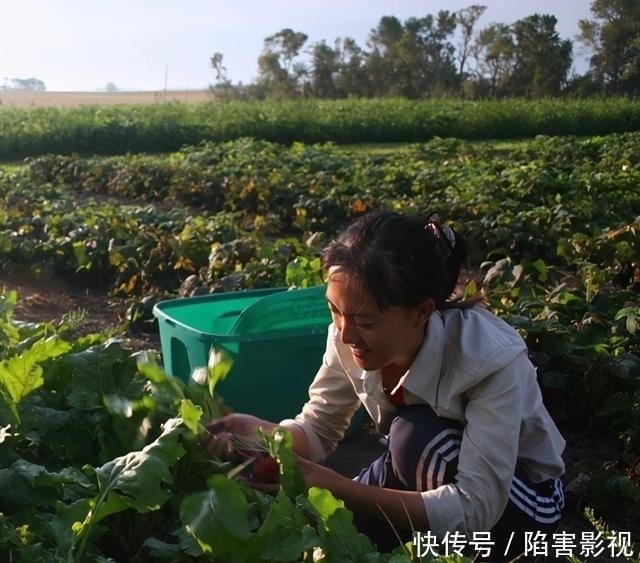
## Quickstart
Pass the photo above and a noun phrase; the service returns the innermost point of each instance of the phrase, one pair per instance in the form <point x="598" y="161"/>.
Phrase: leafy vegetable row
<point x="169" y="126"/>
<point x="553" y="221"/>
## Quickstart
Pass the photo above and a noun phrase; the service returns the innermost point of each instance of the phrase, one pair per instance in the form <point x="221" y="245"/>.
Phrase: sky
<point x="82" y="45"/>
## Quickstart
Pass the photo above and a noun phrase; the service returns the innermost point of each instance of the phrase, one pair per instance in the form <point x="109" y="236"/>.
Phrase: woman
<point x="471" y="448"/>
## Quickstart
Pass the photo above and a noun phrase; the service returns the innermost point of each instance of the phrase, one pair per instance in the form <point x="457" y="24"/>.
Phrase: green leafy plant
<point x="239" y="211"/>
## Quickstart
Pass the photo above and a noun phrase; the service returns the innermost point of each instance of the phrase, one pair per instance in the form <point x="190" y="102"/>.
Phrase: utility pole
<point x="166" y="76"/>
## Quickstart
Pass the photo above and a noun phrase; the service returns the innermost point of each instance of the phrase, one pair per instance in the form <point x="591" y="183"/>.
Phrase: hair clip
<point x="443" y="233"/>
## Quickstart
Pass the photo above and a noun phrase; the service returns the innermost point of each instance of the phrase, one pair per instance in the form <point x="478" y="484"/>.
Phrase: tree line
<point x="22" y="84"/>
<point x="448" y="55"/>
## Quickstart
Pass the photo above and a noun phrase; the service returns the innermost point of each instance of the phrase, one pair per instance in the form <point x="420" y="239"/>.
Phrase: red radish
<point x="265" y="469"/>
<point x="245" y="453"/>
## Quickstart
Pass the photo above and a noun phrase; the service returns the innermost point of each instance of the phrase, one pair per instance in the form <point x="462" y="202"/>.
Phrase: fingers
<point x="234" y="423"/>
<point x="226" y="437"/>
<point x="216" y="426"/>
<point x="218" y="444"/>
<point x="216" y="439"/>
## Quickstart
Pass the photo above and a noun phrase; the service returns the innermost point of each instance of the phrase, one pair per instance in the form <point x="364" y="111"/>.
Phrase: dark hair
<point x="401" y="260"/>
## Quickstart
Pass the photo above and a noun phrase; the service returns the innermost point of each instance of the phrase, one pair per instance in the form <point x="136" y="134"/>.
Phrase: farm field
<point x="36" y="99"/>
<point x="554" y="224"/>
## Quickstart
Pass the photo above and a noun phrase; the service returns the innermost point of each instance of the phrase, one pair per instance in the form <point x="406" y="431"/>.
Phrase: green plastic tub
<point x="276" y="338"/>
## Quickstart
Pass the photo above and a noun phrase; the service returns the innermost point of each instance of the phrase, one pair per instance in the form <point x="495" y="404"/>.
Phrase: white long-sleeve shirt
<point x="472" y="367"/>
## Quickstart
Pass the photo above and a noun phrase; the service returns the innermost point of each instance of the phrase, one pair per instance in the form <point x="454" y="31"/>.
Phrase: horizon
<point x="73" y="47"/>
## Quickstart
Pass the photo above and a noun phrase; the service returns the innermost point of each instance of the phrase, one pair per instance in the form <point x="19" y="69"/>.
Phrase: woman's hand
<point x="223" y="437"/>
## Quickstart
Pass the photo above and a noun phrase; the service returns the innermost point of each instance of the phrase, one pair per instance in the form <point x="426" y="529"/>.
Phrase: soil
<point x="49" y="299"/>
<point x="44" y="298"/>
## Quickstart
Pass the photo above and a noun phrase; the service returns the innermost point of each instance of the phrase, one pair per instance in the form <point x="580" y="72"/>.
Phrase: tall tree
<point x="287" y="45"/>
<point x="382" y="68"/>
<point x="278" y="74"/>
<point x="222" y="87"/>
<point x="219" y="69"/>
<point x="542" y="59"/>
<point x="466" y="20"/>
<point x="352" y="78"/>
<point x="613" y="40"/>
<point x="495" y="52"/>
<point x="433" y="36"/>
<point x="415" y="59"/>
<point x="325" y="66"/>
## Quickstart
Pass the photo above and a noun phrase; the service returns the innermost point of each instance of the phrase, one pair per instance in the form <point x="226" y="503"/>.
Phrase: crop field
<point x="35" y="99"/>
<point x="97" y="448"/>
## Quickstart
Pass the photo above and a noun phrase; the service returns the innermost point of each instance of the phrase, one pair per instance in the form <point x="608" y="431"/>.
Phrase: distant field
<point x="29" y="98"/>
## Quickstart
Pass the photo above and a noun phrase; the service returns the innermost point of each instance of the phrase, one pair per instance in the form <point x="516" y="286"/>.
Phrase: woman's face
<point x="377" y="338"/>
